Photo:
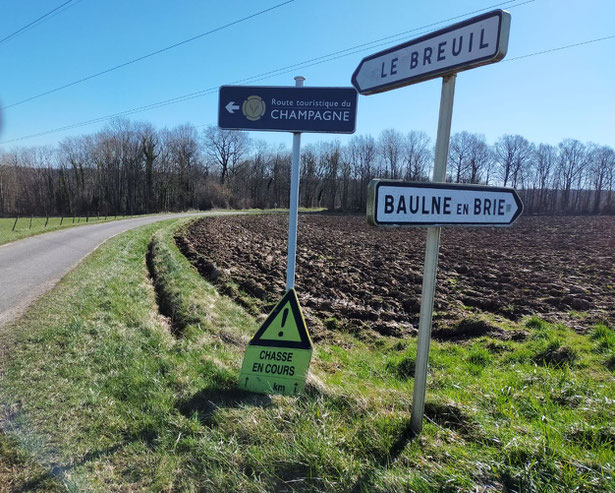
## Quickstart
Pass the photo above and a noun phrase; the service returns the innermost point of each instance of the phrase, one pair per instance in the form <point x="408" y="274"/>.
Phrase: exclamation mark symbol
<point x="284" y="317"/>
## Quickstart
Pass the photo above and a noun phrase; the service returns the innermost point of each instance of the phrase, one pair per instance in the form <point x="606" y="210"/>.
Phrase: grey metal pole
<point x="293" y="211"/>
<point x="431" y="259"/>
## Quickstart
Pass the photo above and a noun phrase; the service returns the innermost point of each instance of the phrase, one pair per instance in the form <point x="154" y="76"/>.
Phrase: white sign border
<point x="500" y="53"/>
<point x="256" y="88"/>
<point x="372" y="201"/>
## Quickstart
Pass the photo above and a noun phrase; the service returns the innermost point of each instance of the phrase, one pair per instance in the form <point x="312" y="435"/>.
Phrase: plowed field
<point x="354" y="277"/>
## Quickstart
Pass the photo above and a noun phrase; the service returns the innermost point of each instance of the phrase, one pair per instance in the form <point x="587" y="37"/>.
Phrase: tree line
<point x="133" y="168"/>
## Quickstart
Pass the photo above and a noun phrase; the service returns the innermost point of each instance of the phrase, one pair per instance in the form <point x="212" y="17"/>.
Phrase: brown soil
<point x="352" y="277"/>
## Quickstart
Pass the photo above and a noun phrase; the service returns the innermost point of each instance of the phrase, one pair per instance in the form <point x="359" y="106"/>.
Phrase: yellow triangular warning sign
<point x="285" y="326"/>
<point x="278" y="357"/>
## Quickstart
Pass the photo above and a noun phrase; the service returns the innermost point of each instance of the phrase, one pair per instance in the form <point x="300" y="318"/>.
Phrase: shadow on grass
<point x="51" y="479"/>
<point x="364" y="483"/>
<point x="59" y="470"/>
<point x="43" y="482"/>
<point x="206" y="402"/>
<point x="443" y="415"/>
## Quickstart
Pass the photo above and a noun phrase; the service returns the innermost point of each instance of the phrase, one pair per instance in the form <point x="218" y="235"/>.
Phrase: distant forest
<point x="133" y="168"/>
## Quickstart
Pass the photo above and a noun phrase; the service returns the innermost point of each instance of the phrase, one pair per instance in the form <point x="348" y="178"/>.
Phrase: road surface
<point x="32" y="266"/>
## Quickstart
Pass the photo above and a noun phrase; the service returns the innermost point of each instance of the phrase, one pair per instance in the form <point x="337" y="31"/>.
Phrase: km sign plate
<point x="395" y="203"/>
<point x="462" y="46"/>
<point x="288" y="109"/>
<point x="278" y="357"/>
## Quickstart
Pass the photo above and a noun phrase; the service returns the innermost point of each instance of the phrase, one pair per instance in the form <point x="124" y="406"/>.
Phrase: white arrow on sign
<point x="395" y="203"/>
<point x="477" y="41"/>
<point x="231" y="107"/>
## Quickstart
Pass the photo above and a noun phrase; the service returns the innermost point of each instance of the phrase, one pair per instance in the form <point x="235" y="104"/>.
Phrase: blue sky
<point x="567" y="93"/>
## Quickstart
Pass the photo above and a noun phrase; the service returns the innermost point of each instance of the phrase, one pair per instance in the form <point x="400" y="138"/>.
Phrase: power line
<point x="35" y="21"/>
<point x="143" y="57"/>
<point x="265" y="75"/>
<point x="370" y="43"/>
<point x="74" y="4"/>
<point x="559" y="48"/>
<point x="290" y="68"/>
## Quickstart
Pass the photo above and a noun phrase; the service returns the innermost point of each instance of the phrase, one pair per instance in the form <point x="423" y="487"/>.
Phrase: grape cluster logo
<point x="253" y="108"/>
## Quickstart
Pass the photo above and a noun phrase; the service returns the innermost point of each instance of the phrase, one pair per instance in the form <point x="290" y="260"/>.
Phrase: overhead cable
<point x="34" y="22"/>
<point x="143" y="57"/>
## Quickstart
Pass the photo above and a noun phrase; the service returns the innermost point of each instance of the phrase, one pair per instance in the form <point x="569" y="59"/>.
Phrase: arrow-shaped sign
<point x="288" y="109"/>
<point x="396" y="203"/>
<point x="477" y="41"/>
<point x="231" y="107"/>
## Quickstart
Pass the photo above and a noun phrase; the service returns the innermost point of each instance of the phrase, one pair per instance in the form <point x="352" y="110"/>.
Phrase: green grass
<point x="103" y="393"/>
<point x="18" y="472"/>
<point x="24" y="230"/>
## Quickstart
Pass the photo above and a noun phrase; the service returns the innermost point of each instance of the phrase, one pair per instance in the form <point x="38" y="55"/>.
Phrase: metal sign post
<point x="283" y="369"/>
<point x="293" y="209"/>
<point x="289" y="109"/>
<point x="472" y="43"/>
<point x="431" y="258"/>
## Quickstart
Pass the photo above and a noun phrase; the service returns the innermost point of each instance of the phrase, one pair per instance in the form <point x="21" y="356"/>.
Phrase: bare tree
<point x="280" y="171"/>
<point x="545" y="159"/>
<point x="150" y="150"/>
<point x="132" y="167"/>
<point x="390" y="148"/>
<point x="459" y="155"/>
<point x="75" y="151"/>
<point x="417" y="155"/>
<point x="362" y="154"/>
<point x="602" y="161"/>
<point x="260" y="175"/>
<point x="513" y="154"/>
<point x="331" y="157"/>
<point x="3" y="183"/>
<point x="310" y="181"/>
<point x="227" y="148"/>
<point x="479" y="158"/>
<point x="610" y="186"/>
<point x="489" y="168"/>
<point x="183" y="151"/>
<point x="573" y="158"/>
<point x="345" y="175"/>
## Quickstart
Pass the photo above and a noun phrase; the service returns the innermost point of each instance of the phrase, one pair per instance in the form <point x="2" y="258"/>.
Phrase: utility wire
<point x="559" y="48"/>
<point x="370" y="43"/>
<point x="143" y="57"/>
<point x="265" y="75"/>
<point x="281" y="71"/>
<point x="75" y="3"/>
<point x="35" y="21"/>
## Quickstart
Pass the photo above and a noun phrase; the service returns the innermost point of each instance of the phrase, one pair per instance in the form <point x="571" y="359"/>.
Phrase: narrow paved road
<point x="31" y="267"/>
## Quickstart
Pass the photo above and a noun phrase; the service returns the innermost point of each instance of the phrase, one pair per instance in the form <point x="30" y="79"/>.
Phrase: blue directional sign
<point x="288" y="109"/>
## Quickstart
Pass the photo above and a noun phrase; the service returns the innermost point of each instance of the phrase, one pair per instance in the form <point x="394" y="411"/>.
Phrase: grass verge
<point x="103" y="393"/>
<point x="25" y="226"/>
